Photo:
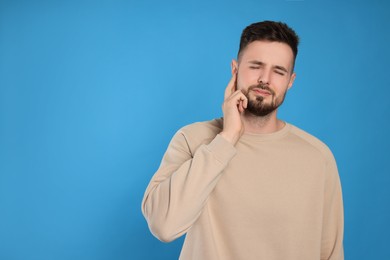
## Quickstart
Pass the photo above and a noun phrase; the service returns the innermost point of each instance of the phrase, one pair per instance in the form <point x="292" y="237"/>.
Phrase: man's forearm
<point x="179" y="190"/>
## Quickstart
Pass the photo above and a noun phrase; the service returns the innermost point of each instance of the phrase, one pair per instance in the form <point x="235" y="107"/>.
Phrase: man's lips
<point x="262" y="92"/>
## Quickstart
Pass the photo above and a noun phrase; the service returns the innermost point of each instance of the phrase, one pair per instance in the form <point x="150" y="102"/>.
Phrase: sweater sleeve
<point x="178" y="191"/>
<point x="333" y="218"/>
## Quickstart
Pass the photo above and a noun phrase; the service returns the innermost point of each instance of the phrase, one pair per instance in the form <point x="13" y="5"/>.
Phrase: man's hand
<point x="233" y="106"/>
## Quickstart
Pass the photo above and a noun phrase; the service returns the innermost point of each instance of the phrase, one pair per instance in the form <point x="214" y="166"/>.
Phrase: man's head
<point x="265" y="65"/>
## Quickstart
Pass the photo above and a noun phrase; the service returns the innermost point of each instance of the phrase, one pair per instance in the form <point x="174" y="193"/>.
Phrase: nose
<point x="264" y="77"/>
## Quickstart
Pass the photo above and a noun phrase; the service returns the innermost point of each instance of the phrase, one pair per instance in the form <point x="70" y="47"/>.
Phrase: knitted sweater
<point x="270" y="197"/>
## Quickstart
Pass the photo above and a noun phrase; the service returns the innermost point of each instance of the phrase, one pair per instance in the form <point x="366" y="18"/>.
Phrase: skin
<point x="261" y="61"/>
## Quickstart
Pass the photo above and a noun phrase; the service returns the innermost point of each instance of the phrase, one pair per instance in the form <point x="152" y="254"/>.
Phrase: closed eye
<point x="279" y="72"/>
<point x="254" y="67"/>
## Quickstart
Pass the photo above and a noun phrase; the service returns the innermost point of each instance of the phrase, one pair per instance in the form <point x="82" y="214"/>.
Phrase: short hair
<point x="269" y="31"/>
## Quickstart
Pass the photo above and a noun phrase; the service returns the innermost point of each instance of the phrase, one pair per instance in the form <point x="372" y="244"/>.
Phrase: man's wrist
<point x="232" y="138"/>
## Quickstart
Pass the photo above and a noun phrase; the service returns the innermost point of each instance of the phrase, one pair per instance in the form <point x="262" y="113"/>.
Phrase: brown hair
<point x="269" y="31"/>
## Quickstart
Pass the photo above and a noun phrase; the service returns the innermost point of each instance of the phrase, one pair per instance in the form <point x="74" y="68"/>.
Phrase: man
<point x="250" y="186"/>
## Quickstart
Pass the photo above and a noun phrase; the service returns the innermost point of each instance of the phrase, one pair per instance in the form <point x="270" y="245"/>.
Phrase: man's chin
<point x="260" y="112"/>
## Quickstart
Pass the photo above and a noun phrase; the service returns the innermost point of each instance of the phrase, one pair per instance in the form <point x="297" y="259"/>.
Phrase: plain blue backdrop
<point x="91" y="93"/>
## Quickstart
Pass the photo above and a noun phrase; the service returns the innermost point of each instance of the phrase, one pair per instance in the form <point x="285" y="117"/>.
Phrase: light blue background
<point x="91" y="93"/>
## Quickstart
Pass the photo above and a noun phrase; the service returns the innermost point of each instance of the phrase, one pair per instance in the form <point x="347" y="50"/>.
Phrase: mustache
<point x="263" y="87"/>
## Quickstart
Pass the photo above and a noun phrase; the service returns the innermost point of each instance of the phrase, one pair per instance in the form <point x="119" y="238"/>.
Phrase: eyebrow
<point x="260" y="63"/>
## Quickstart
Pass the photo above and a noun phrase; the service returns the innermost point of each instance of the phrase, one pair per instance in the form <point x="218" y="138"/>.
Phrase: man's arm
<point x="333" y="216"/>
<point x="179" y="190"/>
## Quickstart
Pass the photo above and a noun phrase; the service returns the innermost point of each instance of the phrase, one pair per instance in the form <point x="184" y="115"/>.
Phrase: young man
<point x="250" y="186"/>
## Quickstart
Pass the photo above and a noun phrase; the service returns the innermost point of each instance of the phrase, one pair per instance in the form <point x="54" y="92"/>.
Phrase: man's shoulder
<point x="312" y="141"/>
<point x="199" y="133"/>
<point x="202" y="130"/>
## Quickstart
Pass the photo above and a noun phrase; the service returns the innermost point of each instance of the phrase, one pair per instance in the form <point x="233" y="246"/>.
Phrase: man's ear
<point x="292" y="79"/>
<point x="234" y="66"/>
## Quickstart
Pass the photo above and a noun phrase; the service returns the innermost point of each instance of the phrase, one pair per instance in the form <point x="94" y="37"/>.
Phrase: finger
<point x="238" y="95"/>
<point x="235" y="99"/>
<point x="243" y="103"/>
<point x="240" y="106"/>
<point x="231" y="87"/>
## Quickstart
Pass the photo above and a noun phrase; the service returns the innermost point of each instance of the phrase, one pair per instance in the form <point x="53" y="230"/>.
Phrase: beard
<point x="257" y="105"/>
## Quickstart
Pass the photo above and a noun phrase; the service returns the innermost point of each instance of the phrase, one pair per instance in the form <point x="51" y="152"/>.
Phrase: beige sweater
<point x="271" y="197"/>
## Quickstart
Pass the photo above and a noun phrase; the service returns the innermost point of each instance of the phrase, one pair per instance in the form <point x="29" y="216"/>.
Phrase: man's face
<point x="264" y="75"/>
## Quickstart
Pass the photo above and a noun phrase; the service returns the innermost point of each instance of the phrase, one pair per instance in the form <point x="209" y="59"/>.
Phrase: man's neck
<point x="262" y="124"/>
